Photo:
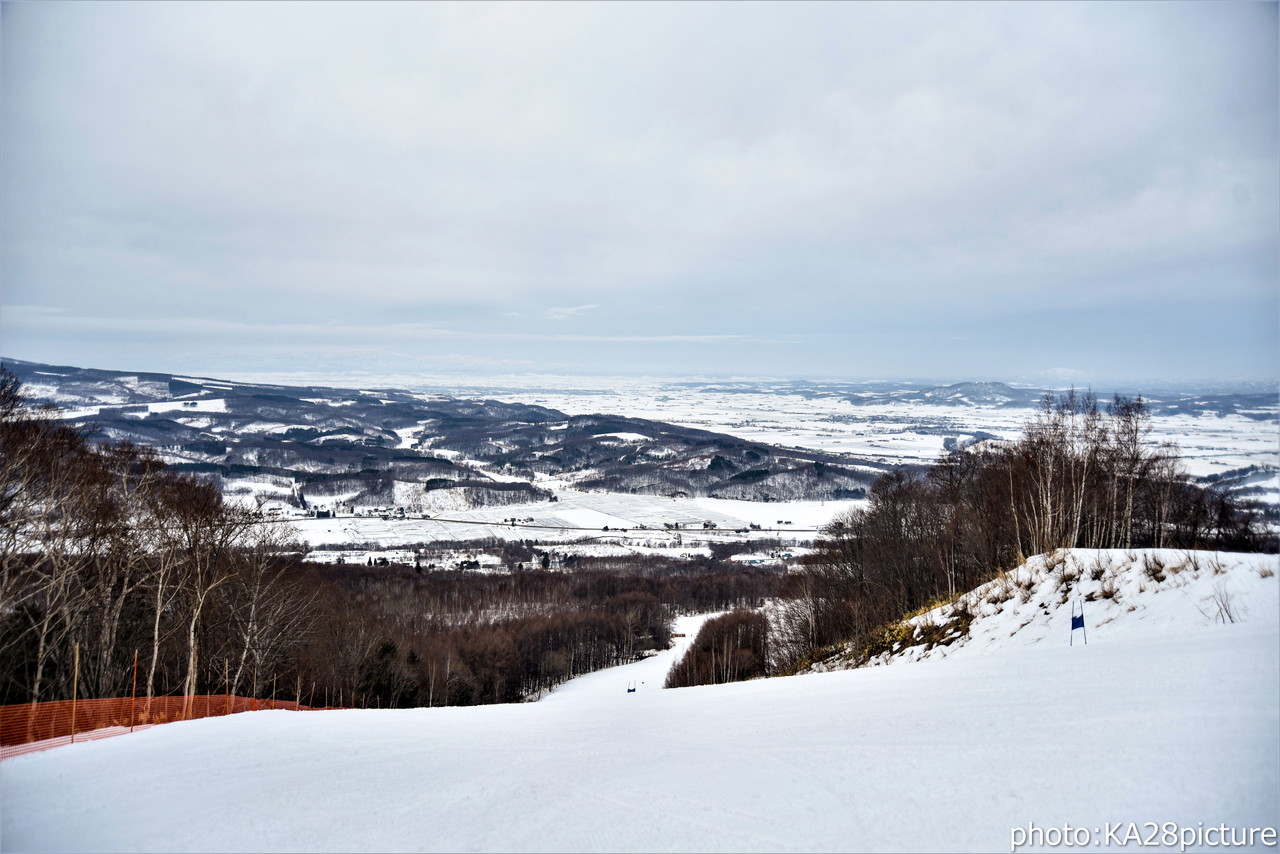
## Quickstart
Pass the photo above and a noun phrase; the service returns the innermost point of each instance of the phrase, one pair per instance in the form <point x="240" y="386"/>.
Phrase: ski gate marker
<point x="1077" y="622"/>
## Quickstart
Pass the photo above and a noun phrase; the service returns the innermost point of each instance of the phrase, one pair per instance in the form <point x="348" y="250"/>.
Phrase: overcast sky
<point x="851" y="190"/>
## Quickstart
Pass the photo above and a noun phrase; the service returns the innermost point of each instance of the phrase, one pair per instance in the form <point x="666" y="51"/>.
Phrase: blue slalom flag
<point x="1077" y="622"/>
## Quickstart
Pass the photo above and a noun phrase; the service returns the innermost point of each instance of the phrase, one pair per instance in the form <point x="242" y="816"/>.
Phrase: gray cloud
<point x="875" y="188"/>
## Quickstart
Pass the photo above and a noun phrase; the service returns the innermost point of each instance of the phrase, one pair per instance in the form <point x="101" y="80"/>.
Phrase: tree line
<point x="729" y="648"/>
<point x="403" y="636"/>
<point x="1081" y="475"/>
<point x="104" y="547"/>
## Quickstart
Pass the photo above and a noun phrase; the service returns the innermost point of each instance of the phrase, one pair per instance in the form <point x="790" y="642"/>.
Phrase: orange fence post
<point x="75" y="680"/>
<point x="133" y="700"/>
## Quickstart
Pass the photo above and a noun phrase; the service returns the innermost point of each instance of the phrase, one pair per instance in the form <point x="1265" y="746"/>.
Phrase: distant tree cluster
<point x="1078" y="477"/>
<point x="728" y="648"/>
<point x="788" y="480"/>
<point x="373" y="651"/>
<point x="688" y="586"/>
<point x="396" y="636"/>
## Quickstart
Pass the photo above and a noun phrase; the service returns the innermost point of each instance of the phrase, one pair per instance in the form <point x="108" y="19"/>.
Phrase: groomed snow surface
<point x="1168" y="714"/>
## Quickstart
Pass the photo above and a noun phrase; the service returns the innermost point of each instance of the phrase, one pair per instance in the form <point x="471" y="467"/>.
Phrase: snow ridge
<point x="1123" y="593"/>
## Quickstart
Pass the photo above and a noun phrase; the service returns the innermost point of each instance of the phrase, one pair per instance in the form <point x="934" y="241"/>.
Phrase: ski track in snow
<point x="1167" y="720"/>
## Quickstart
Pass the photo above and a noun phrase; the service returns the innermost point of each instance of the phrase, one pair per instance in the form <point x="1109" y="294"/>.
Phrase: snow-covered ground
<point x="645" y="676"/>
<point x="1168" y="714"/>
<point x="1120" y="592"/>
<point x="632" y="521"/>
<point x="890" y="432"/>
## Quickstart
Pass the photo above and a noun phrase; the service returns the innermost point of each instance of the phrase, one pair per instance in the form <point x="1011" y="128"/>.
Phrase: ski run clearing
<point x="1168" y="718"/>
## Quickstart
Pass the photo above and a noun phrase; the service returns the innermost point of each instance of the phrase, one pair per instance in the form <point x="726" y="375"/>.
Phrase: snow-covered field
<point x="1168" y="714"/>
<point x="631" y="522"/>
<point x="887" y="432"/>
<point x="890" y="433"/>
<point x="815" y="416"/>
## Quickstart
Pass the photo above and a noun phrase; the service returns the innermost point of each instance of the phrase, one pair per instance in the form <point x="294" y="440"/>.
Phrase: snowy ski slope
<point x="1168" y="714"/>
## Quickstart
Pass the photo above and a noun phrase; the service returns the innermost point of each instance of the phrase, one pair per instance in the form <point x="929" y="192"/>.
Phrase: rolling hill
<point x="383" y="447"/>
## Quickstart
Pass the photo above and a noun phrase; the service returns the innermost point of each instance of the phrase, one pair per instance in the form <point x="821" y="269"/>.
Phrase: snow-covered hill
<point x="372" y="447"/>
<point x="1167" y="715"/>
<point x="1121" y="593"/>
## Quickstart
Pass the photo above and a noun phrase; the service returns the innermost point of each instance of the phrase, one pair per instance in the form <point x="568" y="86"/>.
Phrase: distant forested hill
<point x="342" y="446"/>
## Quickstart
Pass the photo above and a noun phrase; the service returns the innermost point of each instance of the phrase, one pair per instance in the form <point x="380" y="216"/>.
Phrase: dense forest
<point x="401" y="636"/>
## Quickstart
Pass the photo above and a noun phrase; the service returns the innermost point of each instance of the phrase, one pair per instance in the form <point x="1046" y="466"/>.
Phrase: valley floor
<point x="607" y="516"/>
<point x="1178" y="723"/>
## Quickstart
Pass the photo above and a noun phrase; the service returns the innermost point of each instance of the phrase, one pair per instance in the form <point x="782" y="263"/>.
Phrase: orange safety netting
<point x="28" y="722"/>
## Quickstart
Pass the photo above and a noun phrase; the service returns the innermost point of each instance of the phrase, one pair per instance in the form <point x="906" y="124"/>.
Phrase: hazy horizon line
<point x="409" y="379"/>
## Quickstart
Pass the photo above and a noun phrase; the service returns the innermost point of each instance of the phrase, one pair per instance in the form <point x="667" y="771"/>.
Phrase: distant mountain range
<point x="1256" y="405"/>
<point x="979" y="394"/>
<point x="384" y="447"/>
<point x="1249" y="399"/>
